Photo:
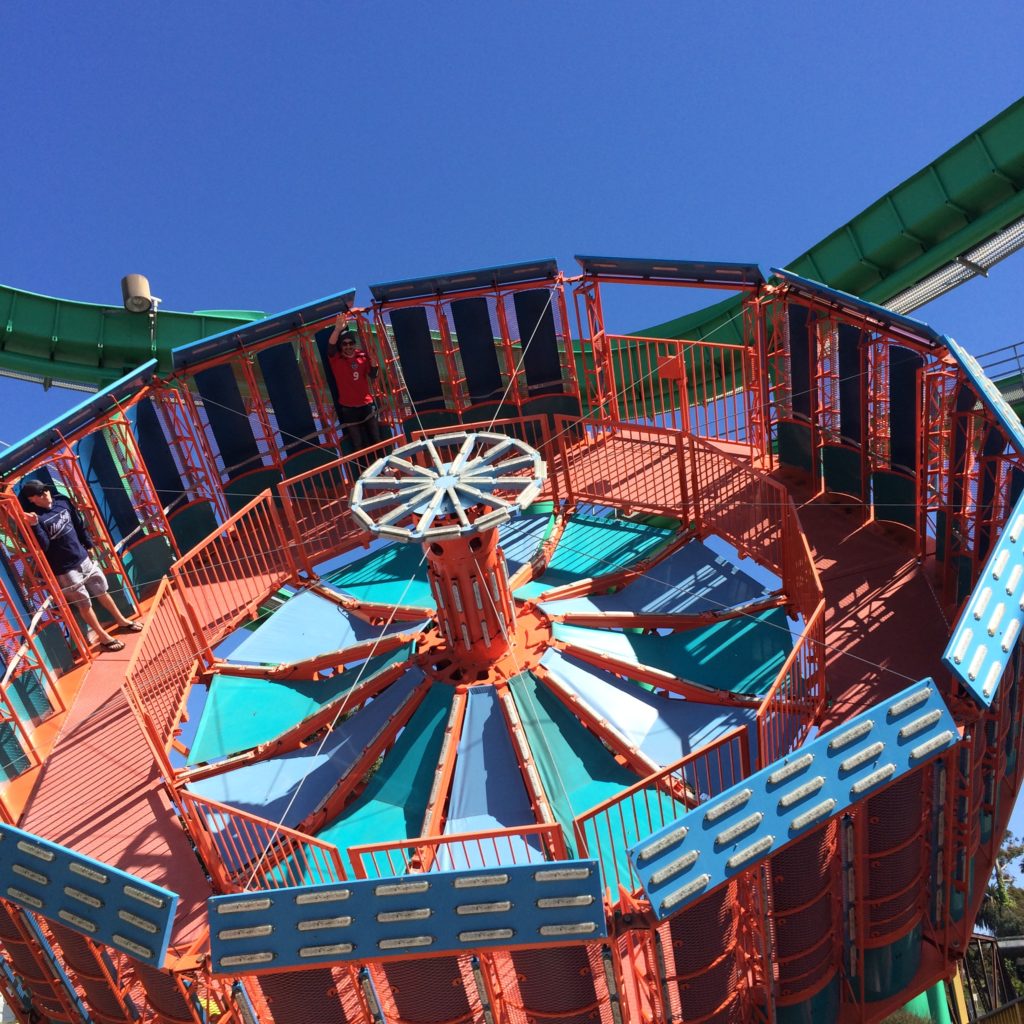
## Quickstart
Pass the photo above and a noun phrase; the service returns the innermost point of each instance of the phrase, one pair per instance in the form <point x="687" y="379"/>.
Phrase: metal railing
<point x="695" y="386"/>
<point x="458" y="852"/>
<point x="634" y="467"/>
<point x="797" y="696"/>
<point x="163" y="665"/>
<point x="609" y="829"/>
<point x="245" y="852"/>
<point x="235" y="569"/>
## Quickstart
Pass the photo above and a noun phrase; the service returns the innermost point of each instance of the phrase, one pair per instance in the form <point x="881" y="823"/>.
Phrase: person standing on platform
<point x="67" y="546"/>
<point x="353" y="369"/>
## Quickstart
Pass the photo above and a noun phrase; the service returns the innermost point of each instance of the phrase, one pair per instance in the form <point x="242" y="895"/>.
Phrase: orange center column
<point x="475" y="610"/>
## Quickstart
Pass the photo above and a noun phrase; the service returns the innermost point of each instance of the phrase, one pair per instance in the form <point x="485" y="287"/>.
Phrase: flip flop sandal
<point x="112" y="645"/>
<point x="132" y="627"/>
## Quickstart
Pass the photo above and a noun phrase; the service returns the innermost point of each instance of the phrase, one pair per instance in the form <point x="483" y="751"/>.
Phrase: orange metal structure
<point x="733" y="441"/>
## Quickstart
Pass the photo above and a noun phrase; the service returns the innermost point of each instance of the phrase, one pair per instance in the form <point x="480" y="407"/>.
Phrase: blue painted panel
<point x="82" y="414"/>
<point x="113" y="501"/>
<point x="710" y="844"/>
<point x="896" y="322"/>
<point x="518" y="905"/>
<point x="237" y="338"/>
<point x="742" y="275"/>
<point x="989" y="394"/>
<point x="989" y="628"/>
<point x="99" y="901"/>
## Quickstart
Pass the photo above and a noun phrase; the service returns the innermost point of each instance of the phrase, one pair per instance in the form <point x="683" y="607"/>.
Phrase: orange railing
<point x="163" y="665"/>
<point x="797" y="696"/>
<point x="235" y="569"/>
<point x="245" y="852"/>
<point x="639" y="468"/>
<point x="738" y="503"/>
<point x="695" y="386"/>
<point x="315" y="505"/>
<point x="609" y="829"/>
<point x="497" y="846"/>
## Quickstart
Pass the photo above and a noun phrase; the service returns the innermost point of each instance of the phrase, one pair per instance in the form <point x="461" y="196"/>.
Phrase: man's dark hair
<point x="31" y="489"/>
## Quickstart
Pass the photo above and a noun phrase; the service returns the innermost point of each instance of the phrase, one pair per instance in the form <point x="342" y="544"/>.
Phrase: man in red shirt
<point x="353" y="369"/>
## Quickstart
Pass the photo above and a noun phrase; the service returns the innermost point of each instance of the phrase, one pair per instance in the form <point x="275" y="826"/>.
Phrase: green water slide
<point x="970" y="193"/>
<point x="57" y="341"/>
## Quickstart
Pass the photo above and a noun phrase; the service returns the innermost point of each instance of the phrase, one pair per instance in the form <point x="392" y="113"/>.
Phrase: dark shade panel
<point x="536" y="321"/>
<point x="904" y="406"/>
<point x="416" y="354"/>
<point x="475" y="333"/>
<point x="228" y="420"/>
<point x="800" y="359"/>
<point x="287" y="395"/>
<point x="851" y="421"/>
<point x="156" y="453"/>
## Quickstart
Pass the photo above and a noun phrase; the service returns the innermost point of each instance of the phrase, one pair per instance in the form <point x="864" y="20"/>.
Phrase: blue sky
<point x="259" y="156"/>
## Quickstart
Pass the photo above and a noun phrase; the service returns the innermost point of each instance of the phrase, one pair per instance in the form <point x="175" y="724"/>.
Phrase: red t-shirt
<point x="352" y="375"/>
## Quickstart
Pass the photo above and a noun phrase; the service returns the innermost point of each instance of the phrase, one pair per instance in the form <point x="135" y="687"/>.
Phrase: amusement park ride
<point x="671" y="676"/>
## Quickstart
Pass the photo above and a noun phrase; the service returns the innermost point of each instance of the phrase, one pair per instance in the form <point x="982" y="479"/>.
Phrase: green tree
<point x="1002" y="910"/>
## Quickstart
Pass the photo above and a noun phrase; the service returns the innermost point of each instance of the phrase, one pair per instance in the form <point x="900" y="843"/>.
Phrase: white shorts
<point x="82" y="584"/>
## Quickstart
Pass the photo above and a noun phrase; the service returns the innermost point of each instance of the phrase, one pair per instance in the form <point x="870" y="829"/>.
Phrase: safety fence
<point x="739" y="504"/>
<point x="163" y="665"/>
<point x="699" y="386"/>
<point x="315" y="506"/>
<point x="797" y="695"/>
<point x="636" y="468"/>
<point x="236" y="568"/>
<point x="609" y="829"/>
<point x="245" y="852"/>
<point x="521" y="845"/>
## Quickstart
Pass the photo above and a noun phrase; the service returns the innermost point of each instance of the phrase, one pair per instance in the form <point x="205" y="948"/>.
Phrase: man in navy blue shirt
<point x="62" y="534"/>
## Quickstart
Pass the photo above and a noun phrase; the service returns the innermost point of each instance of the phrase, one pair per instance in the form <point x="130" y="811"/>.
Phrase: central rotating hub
<point x="450" y="494"/>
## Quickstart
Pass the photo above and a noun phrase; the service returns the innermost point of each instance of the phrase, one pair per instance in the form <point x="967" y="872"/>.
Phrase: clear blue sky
<point x="261" y="155"/>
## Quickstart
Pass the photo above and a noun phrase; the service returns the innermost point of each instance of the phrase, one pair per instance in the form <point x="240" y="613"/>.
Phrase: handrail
<point x="162" y="665"/>
<point x="423" y="853"/>
<point x="245" y="852"/>
<point x="236" y="568"/>
<point x="653" y="802"/>
<point x="797" y="696"/>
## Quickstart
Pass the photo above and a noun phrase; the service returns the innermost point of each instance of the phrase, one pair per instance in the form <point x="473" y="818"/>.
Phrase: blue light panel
<point x="442" y="911"/>
<point x="755" y="818"/>
<point x="99" y="901"/>
<point x="989" y="628"/>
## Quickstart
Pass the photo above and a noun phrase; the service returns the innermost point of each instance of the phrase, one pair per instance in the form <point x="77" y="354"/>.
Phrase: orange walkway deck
<point x="884" y="626"/>
<point x="99" y="793"/>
